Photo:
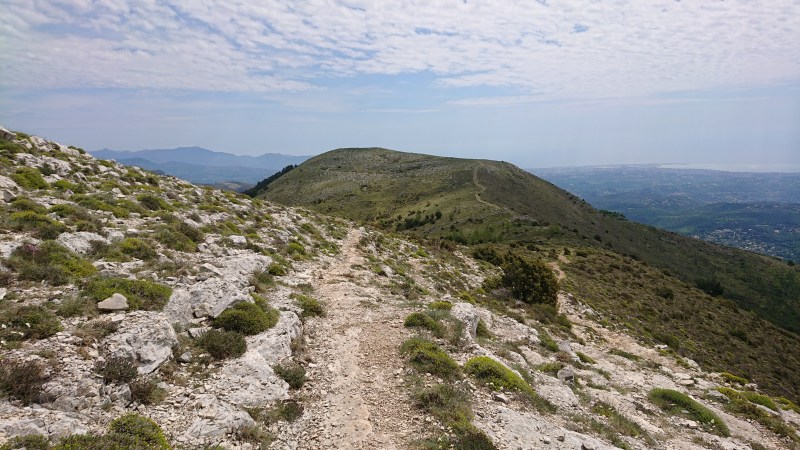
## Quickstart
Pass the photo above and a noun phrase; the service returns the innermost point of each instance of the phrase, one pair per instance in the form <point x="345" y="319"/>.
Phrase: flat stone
<point x="116" y="302"/>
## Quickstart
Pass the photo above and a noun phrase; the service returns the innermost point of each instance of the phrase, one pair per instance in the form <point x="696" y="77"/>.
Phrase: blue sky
<point x="537" y="83"/>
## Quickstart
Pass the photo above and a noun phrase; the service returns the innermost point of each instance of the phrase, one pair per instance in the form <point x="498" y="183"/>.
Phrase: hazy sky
<point x="535" y="82"/>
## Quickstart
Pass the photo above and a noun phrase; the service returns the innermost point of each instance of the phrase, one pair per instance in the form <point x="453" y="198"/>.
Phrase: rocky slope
<point x="114" y="282"/>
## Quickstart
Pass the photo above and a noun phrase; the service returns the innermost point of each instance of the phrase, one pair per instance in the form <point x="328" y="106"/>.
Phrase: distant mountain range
<point x="753" y="211"/>
<point x="203" y="166"/>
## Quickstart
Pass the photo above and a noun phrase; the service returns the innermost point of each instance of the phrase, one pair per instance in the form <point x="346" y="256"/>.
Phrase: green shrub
<point x="64" y="185"/>
<point x="138" y="249"/>
<point x="247" y="318"/>
<point x="22" y="380"/>
<point x="147" y="392"/>
<point x="424" y="320"/>
<point x="620" y="423"/>
<point x="117" y="369"/>
<point x="295" y="249"/>
<point x="498" y="376"/>
<point x="153" y="203"/>
<point x="171" y="238"/>
<point x="292" y="374"/>
<point x="28" y="442"/>
<point x="40" y="225"/>
<point x="74" y="307"/>
<point x="48" y="261"/>
<point x="309" y="305"/>
<point x="787" y="404"/>
<point x="676" y="402"/>
<point x="426" y="356"/>
<point x="473" y="439"/>
<point x="586" y="359"/>
<point x="547" y="341"/>
<point x="551" y="368"/>
<point x="482" y="331"/>
<point x="222" y="344"/>
<point x="26" y="204"/>
<point x="28" y="322"/>
<point x="448" y="404"/>
<point x="29" y="178"/>
<point x="141" y="294"/>
<point x="530" y="281"/>
<point x="731" y="378"/>
<point x="443" y="305"/>
<point x="744" y="403"/>
<point x="141" y="428"/>
<point x="285" y="411"/>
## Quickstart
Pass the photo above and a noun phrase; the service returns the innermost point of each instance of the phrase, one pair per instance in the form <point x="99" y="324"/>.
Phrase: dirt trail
<point x="355" y="398"/>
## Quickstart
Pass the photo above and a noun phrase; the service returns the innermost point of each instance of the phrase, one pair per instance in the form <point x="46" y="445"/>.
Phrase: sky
<point x="539" y="83"/>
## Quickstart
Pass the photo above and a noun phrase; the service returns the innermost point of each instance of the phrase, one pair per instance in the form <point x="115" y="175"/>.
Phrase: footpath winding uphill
<point x="355" y="396"/>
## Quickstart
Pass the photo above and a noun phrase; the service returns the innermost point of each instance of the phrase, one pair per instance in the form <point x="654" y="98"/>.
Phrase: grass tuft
<point x="675" y="402"/>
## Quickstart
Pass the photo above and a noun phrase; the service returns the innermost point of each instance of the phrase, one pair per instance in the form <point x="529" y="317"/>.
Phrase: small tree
<point x="530" y="281"/>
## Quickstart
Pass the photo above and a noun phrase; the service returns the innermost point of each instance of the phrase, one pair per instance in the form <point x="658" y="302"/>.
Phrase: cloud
<point x="566" y="49"/>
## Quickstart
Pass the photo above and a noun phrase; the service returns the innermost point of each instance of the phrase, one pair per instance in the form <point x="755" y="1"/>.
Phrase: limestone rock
<point x="214" y="420"/>
<point x="239" y="241"/>
<point x="116" y="302"/>
<point x="566" y="375"/>
<point x="81" y="241"/>
<point x="8" y="183"/>
<point x="468" y="315"/>
<point x="146" y="336"/>
<point x="6" y="135"/>
<point x="7" y="195"/>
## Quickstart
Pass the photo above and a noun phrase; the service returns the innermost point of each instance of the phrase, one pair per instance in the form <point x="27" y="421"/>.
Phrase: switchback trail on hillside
<point x="355" y="398"/>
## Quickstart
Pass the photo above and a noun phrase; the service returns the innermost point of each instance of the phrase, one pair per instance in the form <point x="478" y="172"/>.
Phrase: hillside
<point x="141" y="311"/>
<point x="753" y="211"/>
<point x="474" y="201"/>
<point x="203" y="166"/>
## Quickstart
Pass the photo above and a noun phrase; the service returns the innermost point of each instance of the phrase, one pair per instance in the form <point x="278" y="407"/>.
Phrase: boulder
<point x="115" y="235"/>
<point x="146" y="336"/>
<point x="239" y="241"/>
<point x="81" y="241"/>
<point x="6" y="135"/>
<point x="213" y="420"/>
<point x="116" y="302"/>
<point x="468" y="315"/>
<point x="23" y="426"/>
<point x="64" y="427"/>
<point x="566" y="375"/>
<point x="7" y="195"/>
<point x="9" y="184"/>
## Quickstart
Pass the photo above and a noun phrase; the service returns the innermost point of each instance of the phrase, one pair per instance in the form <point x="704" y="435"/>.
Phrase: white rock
<point x="7" y="195"/>
<point x="237" y="240"/>
<point x="6" y="135"/>
<point x="146" y="336"/>
<point x="8" y="183"/>
<point x="117" y="302"/>
<point x="115" y="235"/>
<point x="468" y="315"/>
<point x="81" y="241"/>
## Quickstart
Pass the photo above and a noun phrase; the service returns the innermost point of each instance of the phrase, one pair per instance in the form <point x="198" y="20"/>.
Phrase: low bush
<point x="530" y="281"/>
<point x="482" y="331"/>
<point x="448" y="404"/>
<point x="441" y="305"/>
<point x="293" y="374"/>
<point x="424" y="320"/>
<point x="787" y="404"/>
<point x="22" y="380"/>
<point x="426" y="356"/>
<point x="309" y="305"/>
<point x="28" y="442"/>
<point x="26" y="204"/>
<point x="28" y="322"/>
<point x="744" y="403"/>
<point x="153" y="203"/>
<point x="40" y="225"/>
<point x="586" y="359"/>
<point x="94" y="331"/>
<point x="137" y="248"/>
<point x="76" y="306"/>
<point x="620" y="423"/>
<point x="547" y="342"/>
<point x="222" y="344"/>
<point x="141" y="428"/>
<point x="117" y="369"/>
<point x="147" y="392"/>
<point x="247" y="318"/>
<point x="141" y="294"/>
<point x="48" y="261"/>
<point x="29" y="178"/>
<point x="496" y="375"/>
<point x="734" y="379"/>
<point x="676" y="402"/>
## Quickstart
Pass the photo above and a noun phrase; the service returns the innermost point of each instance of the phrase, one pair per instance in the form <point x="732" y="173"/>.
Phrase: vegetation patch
<point x="427" y="357"/>
<point x="117" y="369"/>
<point x="153" y="203"/>
<point x="441" y="305"/>
<point x="48" y="261"/>
<point x="147" y="392"/>
<point x="137" y="248"/>
<point x="421" y="319"/>
<point x="311" y="306"/>
<point x="40" y="225"/>
<point x="733" y="379"/>
<point x="28" y="322"/>
<point x="293" y="374"/>
<point x="496" y="375"/>
<point x="247" y="318"/>
<point x="676" y="402"/>
<point x="29" y="178"/>
<point x="222" y="344"/>
<point x="141" y="294"/>
<point x="22" y="380"/>
<point x="620" y="423"/>
<point x="744" y="403"/>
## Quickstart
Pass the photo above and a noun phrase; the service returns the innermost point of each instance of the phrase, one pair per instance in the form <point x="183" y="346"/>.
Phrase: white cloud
<point x="566" y="49"/>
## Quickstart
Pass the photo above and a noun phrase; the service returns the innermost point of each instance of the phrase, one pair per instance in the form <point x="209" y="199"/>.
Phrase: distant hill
<point x="753" y="211"/>
<point x="203" y="166"/>
<point x="474" y="201"/>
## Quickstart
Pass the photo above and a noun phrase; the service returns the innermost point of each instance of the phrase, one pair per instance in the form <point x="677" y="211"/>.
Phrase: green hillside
<point x="475" y="201"/>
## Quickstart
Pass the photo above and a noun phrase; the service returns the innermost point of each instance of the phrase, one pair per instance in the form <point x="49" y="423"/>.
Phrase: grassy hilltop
<point x="479" y="201"/>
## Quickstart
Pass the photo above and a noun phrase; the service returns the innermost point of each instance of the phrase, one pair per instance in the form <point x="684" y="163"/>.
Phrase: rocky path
<point x="355" y="397"/>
